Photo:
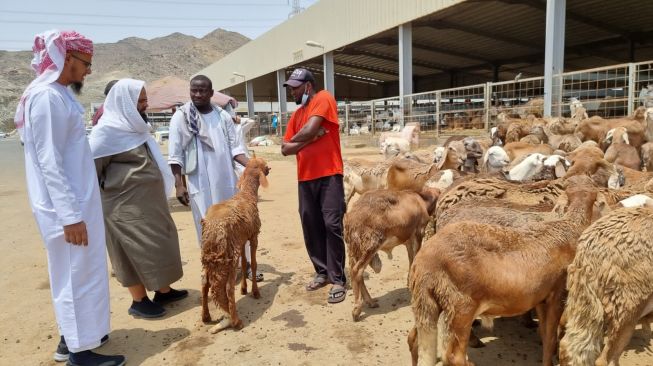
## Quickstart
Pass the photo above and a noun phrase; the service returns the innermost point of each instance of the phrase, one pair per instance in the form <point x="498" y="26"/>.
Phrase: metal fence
<point x="612" y="91"/>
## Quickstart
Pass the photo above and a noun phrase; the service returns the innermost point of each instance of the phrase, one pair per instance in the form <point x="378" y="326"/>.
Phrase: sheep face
<point x="496" y="158"/>
<point x="438" y="153"/>
<point x="617" y="178"/>
<point x="559" y="165"/>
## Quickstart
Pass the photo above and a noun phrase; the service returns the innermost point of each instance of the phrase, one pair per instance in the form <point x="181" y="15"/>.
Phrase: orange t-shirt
<point x="322" y="157"/>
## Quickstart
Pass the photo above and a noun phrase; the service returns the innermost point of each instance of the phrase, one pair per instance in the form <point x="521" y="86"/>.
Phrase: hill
<point x="176" y="54"/>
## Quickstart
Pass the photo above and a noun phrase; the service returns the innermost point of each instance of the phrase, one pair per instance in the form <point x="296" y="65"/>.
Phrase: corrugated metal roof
<point x="449" y="37"/>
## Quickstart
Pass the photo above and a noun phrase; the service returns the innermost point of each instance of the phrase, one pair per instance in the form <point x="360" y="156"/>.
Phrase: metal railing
<point x="611" y="91"/>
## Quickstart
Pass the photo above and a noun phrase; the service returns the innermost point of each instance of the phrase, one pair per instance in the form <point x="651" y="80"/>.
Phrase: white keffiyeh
<point x="122" y="128"/>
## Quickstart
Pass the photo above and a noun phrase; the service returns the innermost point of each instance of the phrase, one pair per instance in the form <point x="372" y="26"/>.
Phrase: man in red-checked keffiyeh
<point x="64" y="195"/>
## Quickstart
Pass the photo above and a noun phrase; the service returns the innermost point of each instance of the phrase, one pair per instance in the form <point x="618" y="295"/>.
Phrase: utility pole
<point x="296" y="8"/>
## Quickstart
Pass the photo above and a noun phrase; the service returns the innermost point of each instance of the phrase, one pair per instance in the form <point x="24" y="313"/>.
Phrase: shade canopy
<point x="169" y="91"/>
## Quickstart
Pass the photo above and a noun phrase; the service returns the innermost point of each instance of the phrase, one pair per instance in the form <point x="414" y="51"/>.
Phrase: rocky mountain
<point x="176" y="54"/>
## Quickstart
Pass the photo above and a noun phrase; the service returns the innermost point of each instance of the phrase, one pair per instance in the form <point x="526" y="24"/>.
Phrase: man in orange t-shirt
<point x="313" y="136"/>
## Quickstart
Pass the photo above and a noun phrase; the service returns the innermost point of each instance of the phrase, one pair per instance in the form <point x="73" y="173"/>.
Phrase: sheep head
<point x="496" y="157"/>
<point x="438" y="154"/>
<point x="256" y="168"/>
<point x="528" y="167"/>
<point x="452" y="157"/>
<point x="616" y="135"/>
<point x="638" y="200"/>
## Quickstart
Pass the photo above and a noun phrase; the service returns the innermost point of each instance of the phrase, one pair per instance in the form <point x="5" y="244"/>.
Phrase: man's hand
<point x="321" y="132"/>
<point x="182" y="195"/>
<point x="76" y="234"/>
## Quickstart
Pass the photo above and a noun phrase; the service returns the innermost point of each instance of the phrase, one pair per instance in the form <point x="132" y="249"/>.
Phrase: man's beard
<point x="77" y="87"/>
<point x="144" y="115"/>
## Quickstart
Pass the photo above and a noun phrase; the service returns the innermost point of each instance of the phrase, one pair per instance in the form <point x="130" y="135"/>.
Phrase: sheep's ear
<point x="263" y="180"/>
<point x="608" y="136"/>
<point x="625" y="136"/>
<point x="560" y="170"/>
<point x="443" y="158"/>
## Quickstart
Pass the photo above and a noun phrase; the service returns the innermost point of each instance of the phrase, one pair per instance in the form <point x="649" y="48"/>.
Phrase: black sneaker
<point x="90" y="358"/>
<point x="62" y="353"/>
<point x="170" y="296"/>
<point x="146" y="309"/>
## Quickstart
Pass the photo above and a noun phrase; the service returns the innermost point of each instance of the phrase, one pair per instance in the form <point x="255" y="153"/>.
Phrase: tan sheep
<point x="381" y="220"/>
<point x="410" y="174"/>
<point x="469" y="270"/>
<point x="517" y="149"/>
<point x="646" y="154"/>
<point x="610" y="287"/>
<point x="620" y="151"/>
<point x="226" y="228"/>
<point x="538" y="193"/>
<point x="361" y="175"/>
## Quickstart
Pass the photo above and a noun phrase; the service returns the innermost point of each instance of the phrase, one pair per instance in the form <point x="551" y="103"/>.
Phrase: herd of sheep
<point x="547" y="214"/>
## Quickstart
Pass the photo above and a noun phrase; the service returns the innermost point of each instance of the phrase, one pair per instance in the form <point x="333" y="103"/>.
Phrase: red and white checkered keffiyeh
<point x="50" y="49"/>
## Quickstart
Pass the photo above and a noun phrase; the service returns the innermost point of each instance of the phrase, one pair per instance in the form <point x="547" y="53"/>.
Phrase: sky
<point x="106" y="21"/>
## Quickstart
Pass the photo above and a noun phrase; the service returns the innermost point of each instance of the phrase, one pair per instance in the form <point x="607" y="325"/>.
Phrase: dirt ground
<point x="286" y="326"/>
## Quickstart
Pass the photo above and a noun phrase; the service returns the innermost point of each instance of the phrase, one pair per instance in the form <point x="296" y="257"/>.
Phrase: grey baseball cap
<point x="299" y="77"/>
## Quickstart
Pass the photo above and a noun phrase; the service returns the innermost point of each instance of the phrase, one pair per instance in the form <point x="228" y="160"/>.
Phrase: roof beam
<point x="377" y="70"/>
<point x="428" y="65"/>
<point x="441" y="24"/>
<point x="389" y="41"/>
<point x="541" y="5"/>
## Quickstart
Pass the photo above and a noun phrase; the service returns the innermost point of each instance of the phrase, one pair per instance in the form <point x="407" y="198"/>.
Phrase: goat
<point x="226" y="228"/>
<point x="646" y="154"/>
<point x="381" y="220"/>
<point x="406" y="174"/>
<point x="610" y="287"/>
<point x="394" y="146"/>
<point x="362" y="175"/>
<point x="517" y="149"/>
<point x="494" y="160"/>
<point x="620" y="151"/>
<point x="516" y="270"/>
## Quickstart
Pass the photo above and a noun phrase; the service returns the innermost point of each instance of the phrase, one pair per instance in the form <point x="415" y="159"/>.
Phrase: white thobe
<point x="214" y="180"/>
<point x="63" y="189"/>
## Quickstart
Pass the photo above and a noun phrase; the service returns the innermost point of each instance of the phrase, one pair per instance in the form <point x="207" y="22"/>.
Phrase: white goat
<point x="393" y="146"/>
<point x="528" y="167"/>
<point x="638" y="200"/>
<point x="494" y="160"/>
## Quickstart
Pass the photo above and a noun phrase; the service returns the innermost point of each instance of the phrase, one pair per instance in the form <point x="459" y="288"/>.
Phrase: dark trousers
<point x="321" y="209"/>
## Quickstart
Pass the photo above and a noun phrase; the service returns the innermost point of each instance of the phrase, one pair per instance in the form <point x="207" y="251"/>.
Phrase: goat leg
<point x="231" y="301"/>
<point x="253" y="244"/>
<point x="460" y="330"/>
<point x="615" y="343"/>
<point x="243" y="271"/>
<point x="549" y="328"/>
<point x="412" y="345"/>
<point x="206" y="315"/>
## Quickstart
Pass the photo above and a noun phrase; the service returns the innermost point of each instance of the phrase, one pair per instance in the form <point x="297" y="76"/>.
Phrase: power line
<point x="162" y="26"/>
<point x="177" y="3"/>
<point x="136" y="16"/>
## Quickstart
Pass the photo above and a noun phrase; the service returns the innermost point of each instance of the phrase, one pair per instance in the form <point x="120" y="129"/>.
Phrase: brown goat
<point x="469" y="269"/>
<point x="381" y="220"/>
<point x="226" y="228"/>
<point x="517" y="149"/>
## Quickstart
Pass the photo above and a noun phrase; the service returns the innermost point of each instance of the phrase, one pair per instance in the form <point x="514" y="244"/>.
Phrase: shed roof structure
<point x="453" y="43"/>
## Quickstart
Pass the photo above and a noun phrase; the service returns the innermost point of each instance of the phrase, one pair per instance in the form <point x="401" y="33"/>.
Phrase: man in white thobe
<point x="64" y="194"/>
<point x="204" y="146"/>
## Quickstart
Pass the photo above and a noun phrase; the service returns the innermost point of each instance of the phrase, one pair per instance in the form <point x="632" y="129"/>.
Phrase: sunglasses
<point x="86" y="63"/>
